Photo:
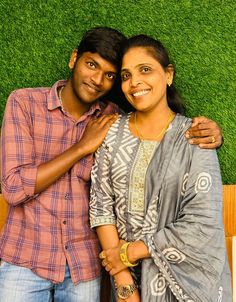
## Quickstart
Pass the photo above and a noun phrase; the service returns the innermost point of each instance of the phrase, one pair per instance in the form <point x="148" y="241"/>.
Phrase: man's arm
<point x="92" y="138"/>
<point x="205" y="132"/>
<point x="21" y="177"/>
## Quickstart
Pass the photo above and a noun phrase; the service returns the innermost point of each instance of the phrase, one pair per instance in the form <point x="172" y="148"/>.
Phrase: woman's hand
<point x="112" y="261"/>
<point x="205" y="133"/>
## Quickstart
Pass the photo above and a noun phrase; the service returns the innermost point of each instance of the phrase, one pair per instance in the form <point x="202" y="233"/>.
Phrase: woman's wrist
<point x="123" y="277"/>
<point x="124" y="255"/>
<point x="137" y="250"/>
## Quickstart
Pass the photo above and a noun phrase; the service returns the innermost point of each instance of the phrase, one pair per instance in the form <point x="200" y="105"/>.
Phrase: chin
<point x="141" y="109"/>
<point x="88" y="99"/>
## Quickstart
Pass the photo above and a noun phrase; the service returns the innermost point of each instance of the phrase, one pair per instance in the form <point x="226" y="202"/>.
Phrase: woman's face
<point x="144" y="80"/>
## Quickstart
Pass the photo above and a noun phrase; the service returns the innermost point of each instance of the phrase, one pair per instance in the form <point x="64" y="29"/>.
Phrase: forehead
<point x="99" y="61"/>
<point x="138" y="55"/>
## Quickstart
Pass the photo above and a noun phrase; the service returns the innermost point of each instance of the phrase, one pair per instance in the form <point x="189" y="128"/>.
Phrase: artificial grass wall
<point x="36" y="38"/>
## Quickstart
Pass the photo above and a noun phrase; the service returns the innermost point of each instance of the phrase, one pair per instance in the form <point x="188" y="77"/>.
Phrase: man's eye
<point x="91" y="64"/>
<point x="111" y="76"/>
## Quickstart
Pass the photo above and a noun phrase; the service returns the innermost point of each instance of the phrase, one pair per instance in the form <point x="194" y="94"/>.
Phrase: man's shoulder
<point x="33" y="94"/>
<point x="27" y="92"/>
<point x="108" y="107"/>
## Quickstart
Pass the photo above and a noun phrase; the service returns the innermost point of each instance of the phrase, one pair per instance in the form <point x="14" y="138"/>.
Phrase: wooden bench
<point x="229" y="213"/>
<point x="3" y="210"/>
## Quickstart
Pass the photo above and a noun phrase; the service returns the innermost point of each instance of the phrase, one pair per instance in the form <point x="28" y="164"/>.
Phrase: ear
<point x="73" y="59"/>
<point x="170" y="74"/>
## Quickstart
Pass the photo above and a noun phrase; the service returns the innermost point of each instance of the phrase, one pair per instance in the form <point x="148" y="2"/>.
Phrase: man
<point x="48" y="137"/>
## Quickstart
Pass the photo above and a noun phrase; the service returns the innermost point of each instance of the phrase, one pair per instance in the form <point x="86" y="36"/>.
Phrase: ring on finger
<point x="213" y="140"/>
<point x="102" y="255"/>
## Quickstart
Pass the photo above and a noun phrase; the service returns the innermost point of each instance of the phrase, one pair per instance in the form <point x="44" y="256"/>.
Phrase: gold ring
<point x="213" y="140"/>
<point x="102" y="255"/>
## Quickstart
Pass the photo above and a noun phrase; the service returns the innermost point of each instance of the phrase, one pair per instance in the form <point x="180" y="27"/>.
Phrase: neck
<point x="71" y="103"/>
<point x="152" y="126"/>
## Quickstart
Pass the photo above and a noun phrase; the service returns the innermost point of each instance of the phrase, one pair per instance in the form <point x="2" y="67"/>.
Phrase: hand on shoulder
<point x="204" y="132"/>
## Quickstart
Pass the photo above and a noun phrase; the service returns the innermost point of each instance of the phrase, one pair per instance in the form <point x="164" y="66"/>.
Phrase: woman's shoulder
<point x="116" y="127"/>
<point x="182" y="123"/>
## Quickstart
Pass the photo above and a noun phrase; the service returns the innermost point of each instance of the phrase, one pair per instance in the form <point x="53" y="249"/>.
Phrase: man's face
<point x="93" y="76"/>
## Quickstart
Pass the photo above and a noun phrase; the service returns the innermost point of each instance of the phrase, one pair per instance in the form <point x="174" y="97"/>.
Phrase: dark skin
<point x="200" y="133"/>
<point x="93" y="78"/>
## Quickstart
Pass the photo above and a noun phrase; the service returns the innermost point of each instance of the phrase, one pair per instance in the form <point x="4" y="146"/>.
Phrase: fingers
<point x="205" y="133"/>
<point x="211" y="127"/>
<point x="209" y="142"/>
<point x="103" y="123"/>
<point x="102" y="255"/>
<point x="104" y="262"/>
<point x="103" y="120"/>
<point x="106" y="265"/>
<point x="196" y="132"/>
<point x="203" y="123"/>
<point x="200" y="119"/>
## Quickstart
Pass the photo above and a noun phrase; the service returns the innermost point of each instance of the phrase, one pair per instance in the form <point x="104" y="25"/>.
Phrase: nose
<point x="135" y="81"/>
<point x="97" y="78"/>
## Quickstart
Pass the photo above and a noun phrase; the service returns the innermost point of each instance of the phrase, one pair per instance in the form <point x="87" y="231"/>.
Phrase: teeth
<point x="142" y="92"/>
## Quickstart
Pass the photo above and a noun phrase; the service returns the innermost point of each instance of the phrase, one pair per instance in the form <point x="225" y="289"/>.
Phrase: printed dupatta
<point x="183" y="226"/>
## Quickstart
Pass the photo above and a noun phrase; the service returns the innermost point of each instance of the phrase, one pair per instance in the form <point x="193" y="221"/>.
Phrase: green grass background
<point x="36" y="38"/>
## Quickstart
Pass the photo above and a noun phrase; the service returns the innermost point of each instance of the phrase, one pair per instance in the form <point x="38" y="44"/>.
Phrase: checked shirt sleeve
<point x="17" y="151"/>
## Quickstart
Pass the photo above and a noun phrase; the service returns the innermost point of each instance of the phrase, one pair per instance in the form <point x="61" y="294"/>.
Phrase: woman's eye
<point x="124" y="76"/>
<point x="145" y="69"/>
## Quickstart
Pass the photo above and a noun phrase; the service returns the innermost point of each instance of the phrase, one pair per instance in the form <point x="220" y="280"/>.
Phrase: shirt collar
<point x="54" y="101"/>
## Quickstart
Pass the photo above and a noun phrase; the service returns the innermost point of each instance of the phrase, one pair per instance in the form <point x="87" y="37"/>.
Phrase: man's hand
<point x="205" y="133"/>
<point x="95" y="132"/>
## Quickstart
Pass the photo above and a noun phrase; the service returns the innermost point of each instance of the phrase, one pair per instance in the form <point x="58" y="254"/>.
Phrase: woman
<point x="156" y="200"/>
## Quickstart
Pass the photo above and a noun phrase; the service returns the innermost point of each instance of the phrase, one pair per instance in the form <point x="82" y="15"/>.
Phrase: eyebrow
<point x="92" y="59"/>
<point x="99" y="65"/>
<point x="139" y="65"/>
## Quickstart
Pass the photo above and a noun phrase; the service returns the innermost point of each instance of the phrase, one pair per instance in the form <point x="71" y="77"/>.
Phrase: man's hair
<point x="105" y="41"/>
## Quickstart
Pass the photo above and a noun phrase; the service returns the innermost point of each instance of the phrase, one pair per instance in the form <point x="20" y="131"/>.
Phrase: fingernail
<point x="190" y="141"/>
<point x="187" y="134"/>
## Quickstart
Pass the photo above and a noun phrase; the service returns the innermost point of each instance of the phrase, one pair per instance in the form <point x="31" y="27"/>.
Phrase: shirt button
<point x="64" y="222"/>
<point x="67" y="196"/>
<point x="66" y="247"/>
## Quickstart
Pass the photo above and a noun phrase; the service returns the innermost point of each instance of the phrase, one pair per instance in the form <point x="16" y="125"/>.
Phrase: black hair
<point x="158" y="51"/>
<point x="105" y="41"/>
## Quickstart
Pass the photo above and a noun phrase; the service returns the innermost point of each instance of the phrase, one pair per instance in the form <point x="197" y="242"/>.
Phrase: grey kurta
<point x="182" y="224"/>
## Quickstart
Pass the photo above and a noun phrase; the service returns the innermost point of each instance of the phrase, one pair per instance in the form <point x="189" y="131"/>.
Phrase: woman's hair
<point x="158" y="52"/>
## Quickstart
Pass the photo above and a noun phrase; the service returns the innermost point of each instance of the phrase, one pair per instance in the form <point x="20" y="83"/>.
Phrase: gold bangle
<point x="124" y="257"/>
